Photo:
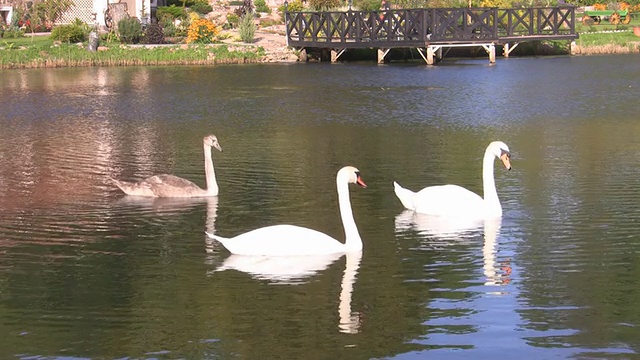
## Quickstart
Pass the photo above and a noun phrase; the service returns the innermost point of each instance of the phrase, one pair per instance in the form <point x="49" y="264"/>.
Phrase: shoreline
<point x="269" y="46"/>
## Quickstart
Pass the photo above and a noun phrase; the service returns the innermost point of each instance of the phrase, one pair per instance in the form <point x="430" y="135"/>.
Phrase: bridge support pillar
<point x="335" y="54"/>
<point x="491" y="50"/>
<point x="431" y="55"/>
<point x="508" y="49"/>
<point x="381" y="55"/>
<point x="492" y="53"/>
<point x="439" y="55"/>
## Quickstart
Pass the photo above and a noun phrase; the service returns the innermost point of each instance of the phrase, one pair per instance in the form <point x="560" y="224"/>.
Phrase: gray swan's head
<point x="212" y="141"/>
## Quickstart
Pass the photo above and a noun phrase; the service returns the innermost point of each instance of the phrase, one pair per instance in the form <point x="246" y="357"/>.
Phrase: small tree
<point x="129" y="30"/>
<point x="247" y="27"/>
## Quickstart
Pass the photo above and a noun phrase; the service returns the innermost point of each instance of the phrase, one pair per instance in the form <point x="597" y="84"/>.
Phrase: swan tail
<point x="215" y="237"/>
<point x="405" y="196"/>
<point x="122" y="185"/>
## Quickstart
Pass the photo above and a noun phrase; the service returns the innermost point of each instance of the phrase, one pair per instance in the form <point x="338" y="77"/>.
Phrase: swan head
<point x="351" y="175"/>
<point x="501" y="151"/>
<point x="212" y="141"/>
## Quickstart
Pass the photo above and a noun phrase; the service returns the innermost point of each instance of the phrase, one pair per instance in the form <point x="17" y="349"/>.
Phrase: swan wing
<point x="134" y="189"/>
<point x="448" y="200"/>
<point x="281" y="240"/>
<point x="171" y="186"/>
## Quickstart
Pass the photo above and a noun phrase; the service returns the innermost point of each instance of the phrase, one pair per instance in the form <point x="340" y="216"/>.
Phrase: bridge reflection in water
<point x="428" y="30"/>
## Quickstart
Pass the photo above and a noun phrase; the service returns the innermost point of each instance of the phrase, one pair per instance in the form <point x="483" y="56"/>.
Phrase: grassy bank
<point x="41" y="52"/>
<point x="619" y="42"/>
<point x="606" y="38"/>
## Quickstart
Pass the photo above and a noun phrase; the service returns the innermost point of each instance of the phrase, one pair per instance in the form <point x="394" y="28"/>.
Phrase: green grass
<point x="27" y="41"/>
<point x="600" y="39"/>
<point x="40" y="52"/>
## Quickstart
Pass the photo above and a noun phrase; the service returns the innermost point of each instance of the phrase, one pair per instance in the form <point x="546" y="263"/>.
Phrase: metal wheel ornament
<point x="614" y="19"/>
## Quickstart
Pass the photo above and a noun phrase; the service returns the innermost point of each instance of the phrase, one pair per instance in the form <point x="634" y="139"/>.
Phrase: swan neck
<point x="488" y="183"/>
<point x="209" y="172"/>
<point x="353" y="242"/>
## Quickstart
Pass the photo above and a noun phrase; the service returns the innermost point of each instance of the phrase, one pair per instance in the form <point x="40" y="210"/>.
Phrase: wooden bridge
<point x="428" y="30"/>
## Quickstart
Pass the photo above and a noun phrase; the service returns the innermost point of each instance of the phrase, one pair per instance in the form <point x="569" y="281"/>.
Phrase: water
<point x="86" y="272"/>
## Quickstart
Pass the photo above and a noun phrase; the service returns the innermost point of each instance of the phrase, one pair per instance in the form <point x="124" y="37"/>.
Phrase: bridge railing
<point x="537" y="22"/>
<point x="419" y="27"/>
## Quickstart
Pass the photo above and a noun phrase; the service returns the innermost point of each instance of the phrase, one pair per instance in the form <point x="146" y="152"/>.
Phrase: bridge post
<point x="492" y="53"/>
<point x="430" y="55"/>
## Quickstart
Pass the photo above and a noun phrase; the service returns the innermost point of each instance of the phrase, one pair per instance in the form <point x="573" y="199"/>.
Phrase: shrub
<point x="129" y="30"/>
<point x="294" y="6"/>
<point x="324" y="4"/>
<point x="168" y="27"/>
<point x="153" y="34"/>
<point x="202" y="31"/>
<point x="367" y="5"/>
<point x="261" y="6"/>
<point x="201" y="8"/>
<point x="233" y="20"/>
<point x="72" y="33"/>
<point x="173" y="11"/>
<point x="12" y="33"/>
<point x="247" y="28"/>
<point x="181" y="3"/>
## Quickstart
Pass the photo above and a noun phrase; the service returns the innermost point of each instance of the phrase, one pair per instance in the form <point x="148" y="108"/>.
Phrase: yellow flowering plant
<point x="202" y="31"/>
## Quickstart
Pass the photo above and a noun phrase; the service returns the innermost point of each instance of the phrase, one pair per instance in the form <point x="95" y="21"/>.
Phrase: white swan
<point x="290" y="240"/>
<point x="172" y="186"/>
<point x="456" y="201"/>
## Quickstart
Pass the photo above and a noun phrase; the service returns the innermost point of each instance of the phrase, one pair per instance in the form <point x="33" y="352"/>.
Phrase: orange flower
<point x="202" y="31"/>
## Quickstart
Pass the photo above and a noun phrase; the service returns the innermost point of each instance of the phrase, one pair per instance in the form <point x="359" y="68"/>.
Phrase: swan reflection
<point x="449" y="231"/>
<point x="441" y="227"/>
<point x="349" y="320"/>
<point x="495" y="274"/>
<point x="296" y="270"/>
<point x="279" y="269"/>
<point x="171" y="206"/>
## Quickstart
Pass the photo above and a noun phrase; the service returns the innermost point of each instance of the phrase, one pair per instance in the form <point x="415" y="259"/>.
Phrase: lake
<point x="88" y="272"/>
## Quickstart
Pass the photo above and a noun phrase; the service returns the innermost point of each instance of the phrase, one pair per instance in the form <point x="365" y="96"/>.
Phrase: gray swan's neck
<point x="209" y="172"/>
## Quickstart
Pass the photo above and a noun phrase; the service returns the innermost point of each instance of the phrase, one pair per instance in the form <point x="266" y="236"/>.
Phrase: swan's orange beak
<point x="360" y="182"/>
<point x="506" y="160"/>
